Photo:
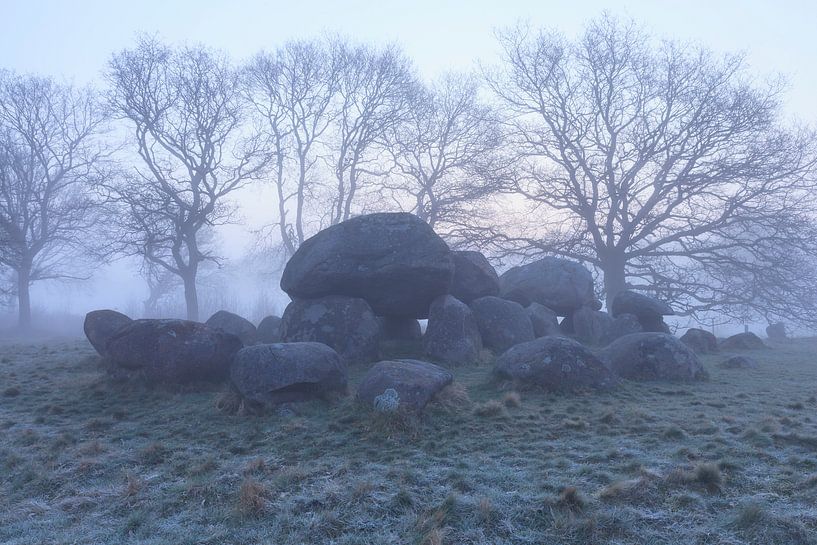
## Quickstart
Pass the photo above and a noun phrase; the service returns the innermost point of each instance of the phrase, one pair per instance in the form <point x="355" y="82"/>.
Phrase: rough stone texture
<point x="555" y="364"/>
<point x="416" y="382"/>
<point x="269" y="330"/>
<point x="502" y="324"/>
<point x="287" y="372"/>
<point x="347" y="324"/>
<point x="653" y="356"/>
<point x="738" y="362"/>
<point x="561" y="285"/>
<point x="544" y="321"/>
<point x="591" y="326"/>
<point x="234" y="324"/>
<point x="452" y="335"/>
<point x="474" y="277"/>
<point x="777" y="332"/>
<point x="623" y="324"/>
<point x="101" y="325"/>
<point x="700" y="340"/>
<point x="173" y="351"/>
<point x="400" y="329"/>
<point x="643" y="306"/>
<point x="742" y="341"/>
<point x="396" y="262"/>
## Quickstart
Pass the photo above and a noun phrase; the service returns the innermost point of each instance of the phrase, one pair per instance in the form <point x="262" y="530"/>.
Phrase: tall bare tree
<point x="49" y="158"/>
<point x="292" y="91"/>
<point x="186" y="111"/>
<point x="374" y="94"/>
<point x="659" y="163"/>
<point x="446" y="150"/>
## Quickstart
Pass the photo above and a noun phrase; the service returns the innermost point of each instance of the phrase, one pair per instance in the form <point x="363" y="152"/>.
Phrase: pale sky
<point x="73" y="39"/>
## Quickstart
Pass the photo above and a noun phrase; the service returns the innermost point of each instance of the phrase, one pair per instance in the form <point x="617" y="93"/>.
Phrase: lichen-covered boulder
<point x="623" y="324"/>
<point x="233" y="323"/>
<point x="591" y="326"/>
<point x="452" y="335"/>
<point x="700" y="340"/>
<point x="554" y="364"/>
<point x="738" y="362"/>
<point x="502" y="324"/>
<point x="743" y="341"/>
<point x="347" y="324"/>
<point x="776" y="332"/>
<point x="415" y="382"/>
<point x="173" y="351"/>
<point x="649" y="310"/>
<point x="544" y="321"/>
<point x="396" y="328"/>
<point x="653" y="356"/>
<point x="287" y="372"/>
<point x="101" y="325"/>
<point x="394" y="261"/>
<point x="561" y="285"/>
<point x="474" y="277"/>
<point x="269" y="330"/>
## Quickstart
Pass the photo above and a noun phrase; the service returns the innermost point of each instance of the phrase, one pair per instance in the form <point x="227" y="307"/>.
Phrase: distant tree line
<point x="661" y="165"/>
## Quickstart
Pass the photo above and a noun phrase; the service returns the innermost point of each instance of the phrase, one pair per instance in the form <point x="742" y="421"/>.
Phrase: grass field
<point x="84" y="459"/>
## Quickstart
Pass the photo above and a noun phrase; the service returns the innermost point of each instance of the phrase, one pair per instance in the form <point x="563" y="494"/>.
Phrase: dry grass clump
<point x="231" y="402"/>
<point x="512" y="399"/>
<point x="453" y="398"/>
<point x="251" y="497"/>
<point x="569" y="498"/>
<point x="256" y="465"/>
<point x="12" y="391"/>
<point x="401" y="423"/>
<point x="133" y="484"/>
<point x="705" y="474"/>
<point x="491" y="408"/>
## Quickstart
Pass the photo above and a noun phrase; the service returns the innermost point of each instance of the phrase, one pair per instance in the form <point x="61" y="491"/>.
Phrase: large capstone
<point x="561" y="285"/>
<point x="743" y="341"/>
<point x="415" y="382"/>
<point x="502" y="324"/>
<point x="544" y="321"/>
<point x="287" y="372"/>
<point x="101" y="325"/>
<point x="173" y="351"/>
<point x="653" y="356"/>
<point x="591" y="326"/>
<point x="649" y="310"/>
<point x="452" y="335"/>
<point x="233" y="323"/>
<point x="777" y="331"/>
<point x="700" y="340"/>
<point x="347" y="324"/>
<point x="396" y="262"/>
<point x="554" y="364"/>
<point x="474" y="277"/>
<point x="269" y="330"/>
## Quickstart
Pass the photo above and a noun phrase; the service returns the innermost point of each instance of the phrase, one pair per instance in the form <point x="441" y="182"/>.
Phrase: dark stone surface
<point x="623" y="324"/>
<point x="394" y="261"/>
<point x="544" y="320"/>
<point x="561" y="285"/>
<point x="101" y="325"/>
<point x="502" y="324"/>
<point x="738" y="362"/>
<point x="173" y="351"/>
<point x="653" y="356"/>
<point x="400" y="329"/>
<point x="234" y="324"/>
<point x="287" y="372"/>
<point x="416" y="382"/>
<point x="452" y="335"/>
<point x="743" y="341"/>
<point x="347" y="324"/>
<point x="269" y="330"/>
<point x="643" y="306"/>
<point x="474" y="277"/>
<point x="591" y="326"/>
<point x="554" y="364"/>
<point x="777" y="332"/>
<point x="700" y="340"/>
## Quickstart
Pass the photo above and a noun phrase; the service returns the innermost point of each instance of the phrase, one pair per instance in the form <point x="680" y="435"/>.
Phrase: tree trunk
<point x="24" y="299"/>
<point x="615" y="279"/>
<point x="191" y="296"/>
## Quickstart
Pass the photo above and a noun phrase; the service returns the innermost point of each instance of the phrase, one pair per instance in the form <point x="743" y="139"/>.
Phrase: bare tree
<point x="661" y="164"/>
<point x="292" y="91"/>
<point x="49" y="157"/>
<point x="446" y="151"/>
<point x="374" y="94"/>
<point x="186" y="111"/>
